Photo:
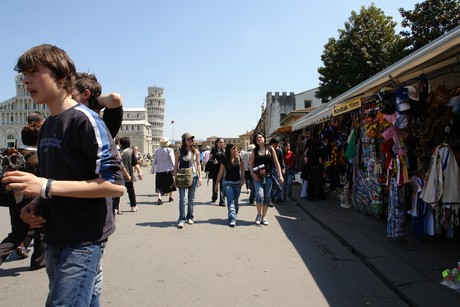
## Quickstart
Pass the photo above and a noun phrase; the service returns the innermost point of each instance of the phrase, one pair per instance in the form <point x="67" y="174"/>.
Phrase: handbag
<point x="184" y="177"/>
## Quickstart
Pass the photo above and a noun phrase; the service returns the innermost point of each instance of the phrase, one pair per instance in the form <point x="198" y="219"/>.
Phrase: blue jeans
<point x="263" y="190"/>
<point x="232" y="192"/>
<point x="190" y="199"/>
<point x="75" y="274"/>
<point x="287" y="186"/>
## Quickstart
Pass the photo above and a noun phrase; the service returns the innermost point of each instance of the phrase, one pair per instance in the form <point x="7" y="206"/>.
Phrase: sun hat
<point x="164" y="142"/>
<point x="251" y="147"/>
<point x="412" y="93"/>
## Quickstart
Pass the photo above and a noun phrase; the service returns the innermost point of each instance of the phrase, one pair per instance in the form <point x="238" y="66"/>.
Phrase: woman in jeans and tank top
<point x="233" y="168"/>
<point x="187" y="156"/>
<point x="263" y="155"/>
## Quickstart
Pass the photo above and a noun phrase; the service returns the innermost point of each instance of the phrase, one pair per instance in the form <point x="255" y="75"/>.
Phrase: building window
<point x="307" y="103"/>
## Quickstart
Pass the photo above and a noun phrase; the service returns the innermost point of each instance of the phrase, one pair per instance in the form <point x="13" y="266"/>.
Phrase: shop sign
<point x="347" y="106"/>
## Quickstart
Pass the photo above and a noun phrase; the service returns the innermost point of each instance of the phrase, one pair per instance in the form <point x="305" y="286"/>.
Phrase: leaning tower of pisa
<point x="155" y="105"/>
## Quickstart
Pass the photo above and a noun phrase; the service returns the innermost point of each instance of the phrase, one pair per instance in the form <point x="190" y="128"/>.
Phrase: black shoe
<point x="160" y="202"/>
<point x="270" y="205"/>
<point x="171" y="199"/>
<point x="222" y="204"/>
<point x="36" y="267"/>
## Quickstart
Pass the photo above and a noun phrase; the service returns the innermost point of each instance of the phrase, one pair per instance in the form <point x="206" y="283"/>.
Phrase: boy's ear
<point x="86" y="94"/>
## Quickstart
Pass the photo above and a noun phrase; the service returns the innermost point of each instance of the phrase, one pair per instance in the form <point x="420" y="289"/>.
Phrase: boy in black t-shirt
<point x="79" y="173"/>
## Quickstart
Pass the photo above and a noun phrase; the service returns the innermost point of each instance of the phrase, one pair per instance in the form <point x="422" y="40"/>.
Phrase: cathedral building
<point x="14" y="112"/>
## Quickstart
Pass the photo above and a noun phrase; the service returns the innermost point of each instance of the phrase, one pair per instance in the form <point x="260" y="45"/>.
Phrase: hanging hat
<point x="412" y="92"/>
<point x="164" y="142"/>
<point x="402" y="99"/>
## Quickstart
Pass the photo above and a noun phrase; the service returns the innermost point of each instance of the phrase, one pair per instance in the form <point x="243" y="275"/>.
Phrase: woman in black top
<point x="233" y="180"/>
<point x="261" y="164"/>
<point x="217" y="156"/>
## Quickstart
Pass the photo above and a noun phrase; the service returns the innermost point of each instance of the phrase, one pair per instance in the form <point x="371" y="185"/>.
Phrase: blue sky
<point x="215" y="59"/>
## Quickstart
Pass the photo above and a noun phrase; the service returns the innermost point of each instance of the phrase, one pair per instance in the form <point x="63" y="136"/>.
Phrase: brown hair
<point x="51" y="57"/>
<point x="29" y="134"/>
<point x="87" y="81"/>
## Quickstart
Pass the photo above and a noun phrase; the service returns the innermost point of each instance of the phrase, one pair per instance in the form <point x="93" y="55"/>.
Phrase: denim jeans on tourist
<point x="190" y="199"/>
<point x="287" y="186"/>
<point x="263" y="190"/>
<point x="276" y="186"/>
<point x="232" y="192"/>
<point x="75" y="275"/>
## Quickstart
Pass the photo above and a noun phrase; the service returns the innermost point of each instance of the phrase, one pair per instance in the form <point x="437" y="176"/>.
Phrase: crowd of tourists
<point x="69" y="208"/>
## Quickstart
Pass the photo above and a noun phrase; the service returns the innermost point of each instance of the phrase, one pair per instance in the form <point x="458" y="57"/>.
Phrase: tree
<point x="367" y="45"/>
<point x="429" y="20"/>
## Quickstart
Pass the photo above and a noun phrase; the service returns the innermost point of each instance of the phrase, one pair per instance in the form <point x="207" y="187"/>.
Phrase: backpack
<point x="11" y="160"/>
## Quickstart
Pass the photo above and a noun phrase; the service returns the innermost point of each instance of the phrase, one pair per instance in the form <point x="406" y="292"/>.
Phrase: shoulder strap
<point x="30" y="154"/>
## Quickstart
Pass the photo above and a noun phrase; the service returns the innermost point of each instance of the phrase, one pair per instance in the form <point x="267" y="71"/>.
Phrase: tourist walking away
<point x="79" y="176"/>
<point x="290" y="172"/>
<point x="314" y="165"/>
<point x="206" y="155"/>
<point x="162" y="167"/>
<point x="137" y="154"/>
<point x="261" y="163"/>
<point x="187" y="172"/>
<point x="247" y="173"/>
<point x="217" y="157"/>
<point x="130" y="162"/>
<point x="232" y="172"/>
<point x="21" y="234"/>
<point x="277" y="187"/>
<point x="88" y="92"/>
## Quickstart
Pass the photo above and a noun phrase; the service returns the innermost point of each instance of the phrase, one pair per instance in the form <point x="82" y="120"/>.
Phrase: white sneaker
<point x="258" y="219"/>
<point x="264" y="221"/>
<point x="190" y="221"/>
<point x="180" y="224"/>
<point x="232" y="223"/>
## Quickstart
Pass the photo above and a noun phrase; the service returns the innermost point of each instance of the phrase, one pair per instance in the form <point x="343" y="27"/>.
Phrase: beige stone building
<point x="14" y="112"/>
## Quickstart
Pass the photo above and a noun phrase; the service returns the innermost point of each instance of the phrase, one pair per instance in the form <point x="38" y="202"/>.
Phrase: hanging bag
<point x="184" y="176"/>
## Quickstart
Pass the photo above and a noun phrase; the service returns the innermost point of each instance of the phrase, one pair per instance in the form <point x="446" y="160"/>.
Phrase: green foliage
<point x="429" y="20"/>
<point x="367" y="45"/>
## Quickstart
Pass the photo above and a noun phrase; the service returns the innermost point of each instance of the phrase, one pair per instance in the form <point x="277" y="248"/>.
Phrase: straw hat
<point x="164" y="142"/>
